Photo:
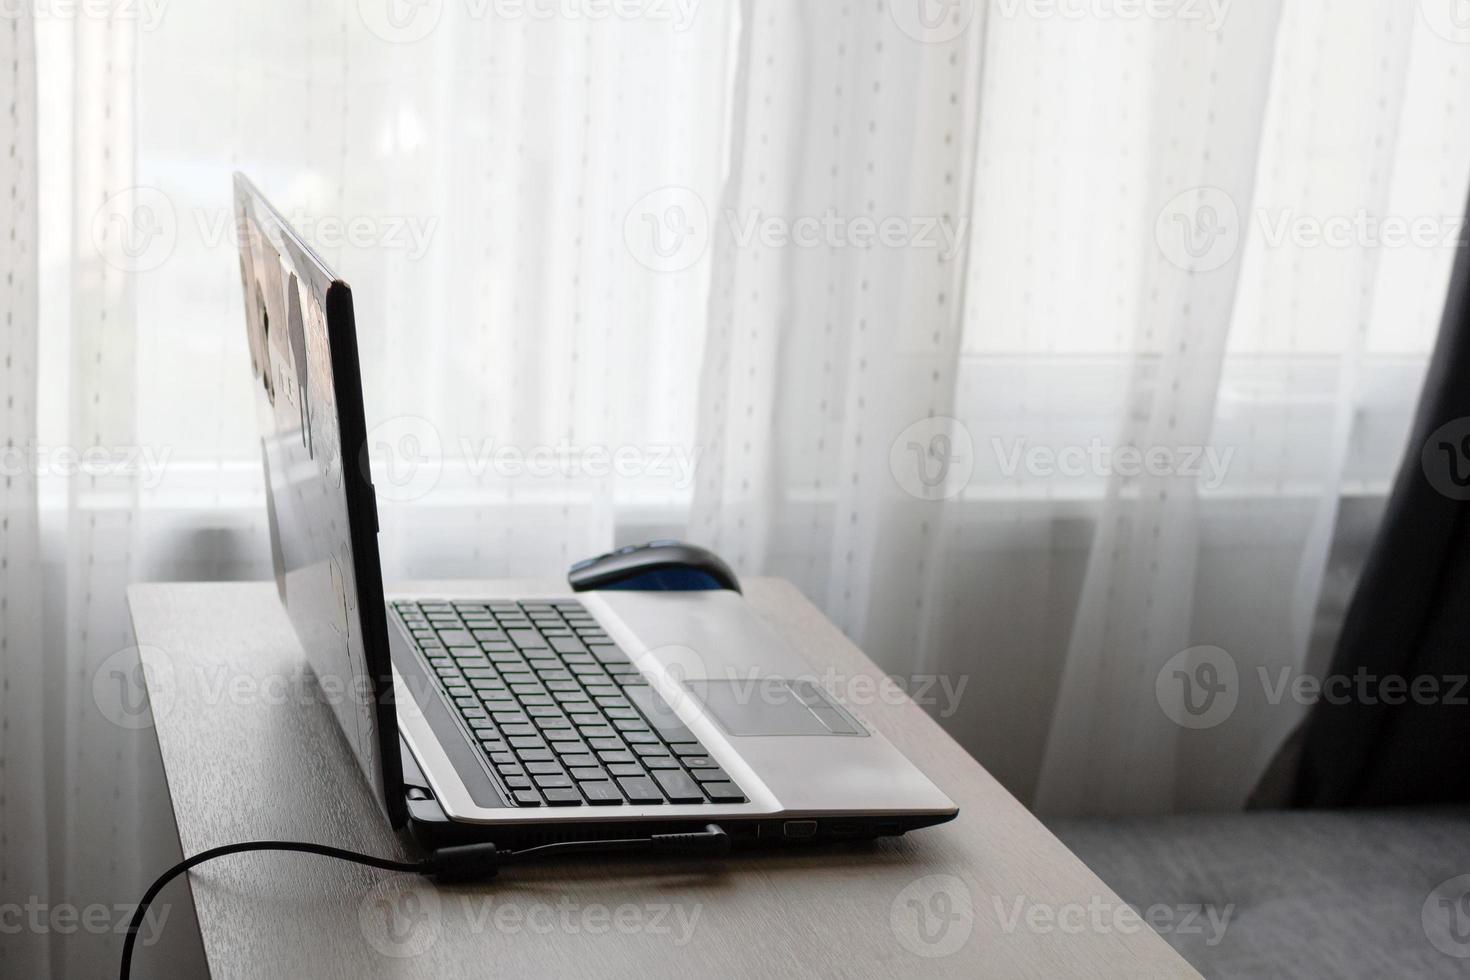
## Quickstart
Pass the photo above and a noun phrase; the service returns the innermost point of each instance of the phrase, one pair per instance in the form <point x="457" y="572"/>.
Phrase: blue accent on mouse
<point x="656" y="566"/>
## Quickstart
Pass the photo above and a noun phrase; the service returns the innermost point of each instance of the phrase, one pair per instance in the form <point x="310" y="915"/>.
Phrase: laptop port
<point x="799" y="829"/>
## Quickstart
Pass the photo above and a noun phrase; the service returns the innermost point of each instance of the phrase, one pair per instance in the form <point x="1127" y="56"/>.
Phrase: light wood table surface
<point x="249" y="754"/>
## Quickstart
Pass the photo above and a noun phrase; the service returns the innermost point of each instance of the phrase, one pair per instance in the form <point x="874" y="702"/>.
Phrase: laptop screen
<point x="303" y="352"/>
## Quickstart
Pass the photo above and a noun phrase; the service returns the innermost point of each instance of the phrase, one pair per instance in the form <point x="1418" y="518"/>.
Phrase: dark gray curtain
<point x="1401" y="735"/>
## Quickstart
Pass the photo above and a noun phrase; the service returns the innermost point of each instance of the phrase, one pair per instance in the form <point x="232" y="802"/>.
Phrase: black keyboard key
<point x="640" y="789"/>
<point x="660" y="762"/>
<point x="583" y="773"/>
<point x="677" y="786"/>
<point x="527" y="797"/>
<point x="578" y="759"/>
<point x="608" y="654"/>
<point x="543" y="768"/>
<point x="601" y="793"/>
<point x="715" y="775"/>
<point x="724" y="792"/>
<point x="557" y="781"/>
<point x="563" y="797"/>
<point x="699" y="762"/>
<point x="625" y="769"/>
<point x="659" y="714"/>
<point x="468" y="657"/>
<point x="567" y="644"/>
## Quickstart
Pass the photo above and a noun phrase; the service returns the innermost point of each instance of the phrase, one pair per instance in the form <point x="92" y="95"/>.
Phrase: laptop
<point x="530" y="718"/>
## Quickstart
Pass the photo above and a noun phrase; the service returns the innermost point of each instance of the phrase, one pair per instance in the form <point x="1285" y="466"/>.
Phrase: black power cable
<point x="469" y="862"/>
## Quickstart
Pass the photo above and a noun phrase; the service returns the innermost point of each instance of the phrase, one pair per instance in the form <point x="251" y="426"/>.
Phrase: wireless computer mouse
<point x="658" y="566"/>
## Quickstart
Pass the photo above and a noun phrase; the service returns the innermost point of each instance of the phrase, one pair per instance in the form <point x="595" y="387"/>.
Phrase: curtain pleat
<point x="24" y="829"/>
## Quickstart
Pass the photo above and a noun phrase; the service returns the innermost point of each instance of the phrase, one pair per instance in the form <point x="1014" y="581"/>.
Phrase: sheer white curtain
<point x="843" y="290"/>
<point x="23" y="825"/>
<point x="1188" y="235"/>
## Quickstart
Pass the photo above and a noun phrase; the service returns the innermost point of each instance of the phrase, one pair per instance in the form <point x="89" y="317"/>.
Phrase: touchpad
<point x="772" y="706"/>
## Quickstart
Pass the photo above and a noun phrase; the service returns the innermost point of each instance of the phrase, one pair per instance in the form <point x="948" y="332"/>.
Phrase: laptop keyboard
<point x="560" y="711"/>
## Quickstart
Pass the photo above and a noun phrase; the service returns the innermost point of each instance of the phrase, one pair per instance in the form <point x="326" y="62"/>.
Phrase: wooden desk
<point x="248" y="755"/>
